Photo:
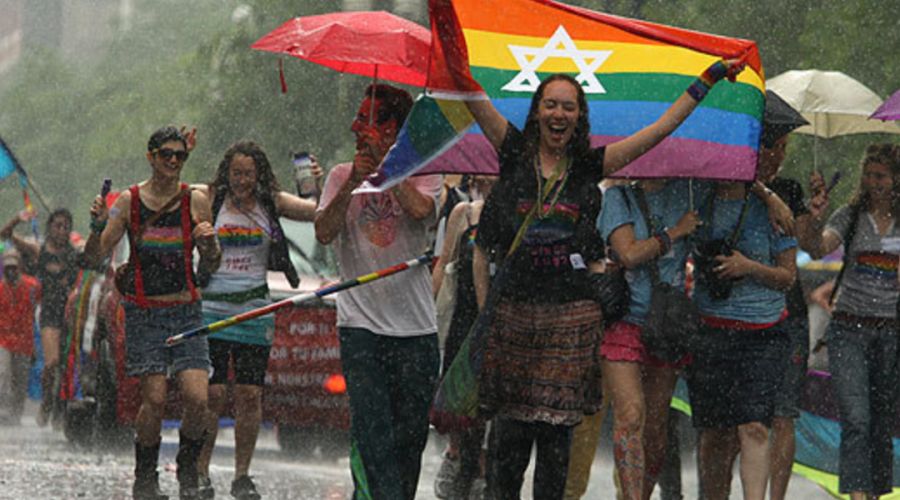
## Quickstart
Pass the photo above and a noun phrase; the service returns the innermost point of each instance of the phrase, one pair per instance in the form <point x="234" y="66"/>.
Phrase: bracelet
<point x="97" y="226"/>
<point x="707" y="80"/>
<point x="664" y="240"/>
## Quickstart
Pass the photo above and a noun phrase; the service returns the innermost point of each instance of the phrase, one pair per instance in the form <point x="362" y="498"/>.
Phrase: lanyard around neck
<point x="542" y="193"/>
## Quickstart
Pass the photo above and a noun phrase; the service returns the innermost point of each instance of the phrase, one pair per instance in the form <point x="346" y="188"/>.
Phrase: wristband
<point x="97" y="226"/>
<point x="707" y="80"/>
<point x="665" y="242"/>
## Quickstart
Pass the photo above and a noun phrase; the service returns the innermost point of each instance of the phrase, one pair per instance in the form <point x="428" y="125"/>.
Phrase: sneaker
<point x="445" y="479"/>
<point x="205" y="488"/>
<point x="243" y="488"/>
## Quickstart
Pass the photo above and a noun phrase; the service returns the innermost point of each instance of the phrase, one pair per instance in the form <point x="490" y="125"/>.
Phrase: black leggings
<point x="509" y="451"/>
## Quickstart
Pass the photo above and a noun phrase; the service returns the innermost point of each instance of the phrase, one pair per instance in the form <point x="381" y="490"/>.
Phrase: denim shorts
<point x="146" y="331"/>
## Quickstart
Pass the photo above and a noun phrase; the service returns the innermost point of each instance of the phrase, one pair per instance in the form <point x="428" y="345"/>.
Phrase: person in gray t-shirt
<point x="862" y="337"/>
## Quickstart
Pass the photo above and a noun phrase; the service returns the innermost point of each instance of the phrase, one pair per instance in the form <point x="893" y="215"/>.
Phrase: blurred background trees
<point x="78" y="109"/>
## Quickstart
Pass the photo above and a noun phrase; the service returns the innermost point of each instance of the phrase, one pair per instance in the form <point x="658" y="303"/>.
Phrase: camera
<point x="705" y="265"/>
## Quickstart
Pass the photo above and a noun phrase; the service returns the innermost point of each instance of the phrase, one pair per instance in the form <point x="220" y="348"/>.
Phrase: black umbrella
<point x="780" y="119"/>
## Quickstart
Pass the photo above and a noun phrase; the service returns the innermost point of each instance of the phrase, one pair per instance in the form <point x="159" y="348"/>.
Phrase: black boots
<point x="186" y="460"/>
<point x="146" y="479"/>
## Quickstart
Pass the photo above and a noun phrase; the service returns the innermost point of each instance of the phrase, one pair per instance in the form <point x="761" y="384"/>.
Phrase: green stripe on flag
<point x="651" y="87"/>
<point x="428" y="128"/>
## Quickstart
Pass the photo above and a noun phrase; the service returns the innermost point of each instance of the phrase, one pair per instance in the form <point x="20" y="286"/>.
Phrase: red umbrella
<point x="375" y="44"/>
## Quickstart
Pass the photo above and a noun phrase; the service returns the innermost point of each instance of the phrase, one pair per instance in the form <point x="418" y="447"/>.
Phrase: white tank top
<point x="245" y="239"/>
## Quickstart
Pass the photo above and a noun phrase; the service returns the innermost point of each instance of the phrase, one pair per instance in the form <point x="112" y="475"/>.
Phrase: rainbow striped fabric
<point x="631" y="72"/>
<point x="231" y="236"/>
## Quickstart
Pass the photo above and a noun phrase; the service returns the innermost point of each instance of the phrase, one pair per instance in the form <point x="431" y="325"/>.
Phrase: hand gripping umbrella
<point x="379" y="45"/>
<point x="425" y="258"/>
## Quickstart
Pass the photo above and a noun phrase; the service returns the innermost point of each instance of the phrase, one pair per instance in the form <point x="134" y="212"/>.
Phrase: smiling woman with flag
<point x="540" y="347"/>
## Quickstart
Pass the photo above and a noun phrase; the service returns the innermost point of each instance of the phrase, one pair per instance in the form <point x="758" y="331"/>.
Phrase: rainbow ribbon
<point x="425" y="258"/>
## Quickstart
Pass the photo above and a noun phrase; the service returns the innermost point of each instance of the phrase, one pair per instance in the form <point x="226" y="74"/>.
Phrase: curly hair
<point x="580" y="143"/>
<point x="885" y="154"/>
<point x="59" y="213"/>
<point x="266" y="183"/>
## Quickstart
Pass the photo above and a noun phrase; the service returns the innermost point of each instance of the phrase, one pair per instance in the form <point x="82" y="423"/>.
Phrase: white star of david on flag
<point x="561" y="45"/>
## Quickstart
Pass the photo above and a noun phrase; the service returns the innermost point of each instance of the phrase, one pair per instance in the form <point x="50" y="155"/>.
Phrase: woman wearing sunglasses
<point x="164" y="221"/>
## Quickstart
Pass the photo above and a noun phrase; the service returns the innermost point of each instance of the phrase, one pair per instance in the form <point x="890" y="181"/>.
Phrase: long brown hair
<point x="580" y="142"/>
<point x="884" y="154"/>
<point x="266" y="183"/>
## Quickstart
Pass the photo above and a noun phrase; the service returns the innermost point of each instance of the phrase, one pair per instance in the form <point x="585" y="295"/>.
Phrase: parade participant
<point x="55" y="266"/>
<point x="773" y="144"/>
<point x="640" y="385"/>
<point x="547" y="297"/>
<point x="246" y="205"/>
<point x="743" y="267"/>
<point x="19" y="296"/>
<point x="389" y="347"/>
<point x="462" y="461"/>
<point x="164" y="221"/>
<point x="862" y="335"/>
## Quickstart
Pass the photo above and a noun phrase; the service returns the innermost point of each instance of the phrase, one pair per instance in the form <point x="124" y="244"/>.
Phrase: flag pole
<point x="40" y="197"/>
<point x="423" y="259"/>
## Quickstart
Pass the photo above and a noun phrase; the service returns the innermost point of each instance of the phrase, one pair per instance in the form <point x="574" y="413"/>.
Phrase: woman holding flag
<point x="541" y="345"/>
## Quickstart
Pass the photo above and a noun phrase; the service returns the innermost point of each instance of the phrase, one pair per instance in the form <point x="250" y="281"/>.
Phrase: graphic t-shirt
<point x="869" y="285"/>
<point x="550" y="266"/>
<point x="378" y="233"/>
<point x="238" y="285"/>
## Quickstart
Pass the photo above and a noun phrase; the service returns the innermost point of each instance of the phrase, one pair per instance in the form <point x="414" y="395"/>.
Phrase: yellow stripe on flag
<point x="491" y="50"/>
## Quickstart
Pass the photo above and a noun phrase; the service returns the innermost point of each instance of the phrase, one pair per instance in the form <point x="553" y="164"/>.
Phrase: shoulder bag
<point x="672" y="319"/>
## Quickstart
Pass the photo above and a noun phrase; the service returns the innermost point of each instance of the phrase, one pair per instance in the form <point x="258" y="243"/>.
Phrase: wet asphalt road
<point x="39" y="464"/>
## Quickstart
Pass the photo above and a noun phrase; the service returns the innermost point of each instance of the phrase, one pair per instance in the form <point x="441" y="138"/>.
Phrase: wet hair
<point x="59" y="212"/>
<point x="395" y="103"/>
<point x="580" y="143"/>
<point x="266" y="183"/>
<point x="164" y="135"/>
<point x="889" y="156"/>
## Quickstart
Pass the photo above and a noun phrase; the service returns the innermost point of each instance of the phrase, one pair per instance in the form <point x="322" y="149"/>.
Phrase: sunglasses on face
<point x="167" y="154"/>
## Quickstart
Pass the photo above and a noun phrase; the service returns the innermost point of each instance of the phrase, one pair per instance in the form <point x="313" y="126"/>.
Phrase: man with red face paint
<point x="389" y="347"/>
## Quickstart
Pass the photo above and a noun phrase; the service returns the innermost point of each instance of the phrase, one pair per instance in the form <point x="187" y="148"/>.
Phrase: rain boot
<point x="146" y="479"/>
<point x="186" y="461"/>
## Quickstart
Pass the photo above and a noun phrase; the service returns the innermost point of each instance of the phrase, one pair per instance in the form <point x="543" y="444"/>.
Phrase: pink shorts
<point x="622" y="342"/>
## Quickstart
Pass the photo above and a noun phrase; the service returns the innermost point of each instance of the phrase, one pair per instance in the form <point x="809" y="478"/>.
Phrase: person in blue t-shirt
<point x="640" y="383"/>
<point x="743" y="267"/>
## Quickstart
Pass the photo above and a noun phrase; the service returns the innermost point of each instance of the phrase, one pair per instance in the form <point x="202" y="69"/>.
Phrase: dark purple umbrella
<point x="890" y="110"/>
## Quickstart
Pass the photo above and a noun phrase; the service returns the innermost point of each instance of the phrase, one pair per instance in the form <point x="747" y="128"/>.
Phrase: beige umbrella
<point x="833" y="103"/>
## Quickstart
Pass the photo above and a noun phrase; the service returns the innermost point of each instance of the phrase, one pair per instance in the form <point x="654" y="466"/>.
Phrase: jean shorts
<point x="146" y="331"/>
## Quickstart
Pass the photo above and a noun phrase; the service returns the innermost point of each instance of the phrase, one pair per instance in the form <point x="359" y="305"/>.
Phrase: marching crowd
<point x="581" y="294"/>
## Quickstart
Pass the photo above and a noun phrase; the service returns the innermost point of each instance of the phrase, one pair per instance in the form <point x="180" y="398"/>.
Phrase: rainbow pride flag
<point x="9" y="165"/>
<point x="631" y="72"/>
